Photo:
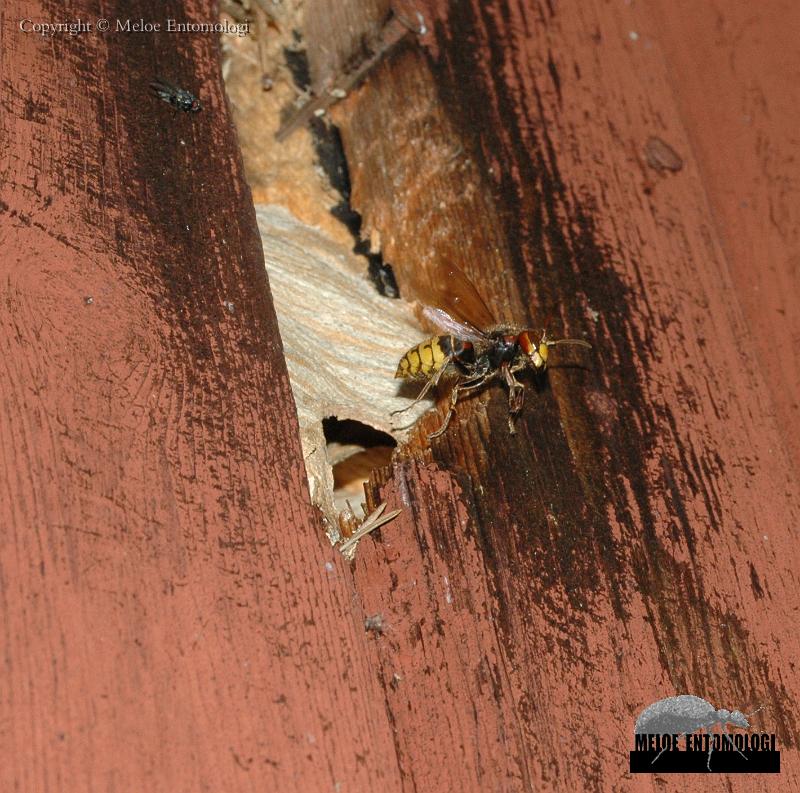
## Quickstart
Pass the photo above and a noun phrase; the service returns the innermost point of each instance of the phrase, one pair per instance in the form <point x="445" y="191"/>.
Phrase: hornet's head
<point x="537" y="353"/>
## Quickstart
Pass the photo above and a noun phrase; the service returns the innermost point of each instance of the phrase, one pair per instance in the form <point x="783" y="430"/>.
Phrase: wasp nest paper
<point x="342" y="341"/>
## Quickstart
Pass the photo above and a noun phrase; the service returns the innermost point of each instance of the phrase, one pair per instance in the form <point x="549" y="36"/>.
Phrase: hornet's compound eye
<point x="542" y="355"/>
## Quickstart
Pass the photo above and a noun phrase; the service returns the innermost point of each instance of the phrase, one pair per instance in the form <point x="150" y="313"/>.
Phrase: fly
<point x="179" y="98"/>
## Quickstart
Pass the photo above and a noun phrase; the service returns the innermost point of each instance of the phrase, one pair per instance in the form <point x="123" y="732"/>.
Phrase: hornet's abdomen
<point x="427" y="358"/>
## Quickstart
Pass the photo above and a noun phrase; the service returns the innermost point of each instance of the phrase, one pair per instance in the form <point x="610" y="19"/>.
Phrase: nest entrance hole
<point x="355" y="450"/>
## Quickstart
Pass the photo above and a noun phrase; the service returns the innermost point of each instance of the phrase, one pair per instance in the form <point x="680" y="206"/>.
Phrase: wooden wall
<point x="173" y="618"/>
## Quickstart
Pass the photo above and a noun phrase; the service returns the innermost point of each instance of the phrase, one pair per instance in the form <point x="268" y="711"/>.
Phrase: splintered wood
<point x="421" y="189"/>
<point x="341" y="338"/>
<point x="389" y="37"/>
<point x="617" y="526"/>
<point x="287" y="174"/>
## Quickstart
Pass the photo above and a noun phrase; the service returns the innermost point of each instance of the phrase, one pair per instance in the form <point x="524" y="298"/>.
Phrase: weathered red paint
<point x="640" y="533"/>
<point x="172" y="618"/>
<point x="739" y="101"/>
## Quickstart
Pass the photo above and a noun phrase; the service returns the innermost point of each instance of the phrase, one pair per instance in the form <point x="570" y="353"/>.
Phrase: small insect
<point x="475" y="348"/>
<point x="179" y="98"/>
<point x="685" y="714"/>
<point x="375" y="624"/>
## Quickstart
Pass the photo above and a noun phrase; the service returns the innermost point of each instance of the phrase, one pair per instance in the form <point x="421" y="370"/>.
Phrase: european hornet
<point x="473" y="347"/>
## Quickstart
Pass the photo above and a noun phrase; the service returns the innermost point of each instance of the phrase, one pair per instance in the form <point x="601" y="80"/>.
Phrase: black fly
<point x="179" y="98"/>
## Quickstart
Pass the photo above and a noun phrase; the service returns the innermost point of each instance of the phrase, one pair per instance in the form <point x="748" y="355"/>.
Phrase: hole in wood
<point x="354" y="450"/>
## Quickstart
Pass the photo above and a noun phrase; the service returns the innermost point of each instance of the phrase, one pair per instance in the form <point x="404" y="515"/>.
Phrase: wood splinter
<point x="371" y="522"/>
<point x="392" y="33"/>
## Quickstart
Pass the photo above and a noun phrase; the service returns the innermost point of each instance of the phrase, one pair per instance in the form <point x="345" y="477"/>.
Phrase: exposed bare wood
<point x="340" y="34"/>
<point x="175" y="619"/>
<point x="387" y="39"/>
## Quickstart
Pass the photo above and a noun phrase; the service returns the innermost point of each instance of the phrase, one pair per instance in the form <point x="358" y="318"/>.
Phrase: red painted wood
<point x="173" y="616"/>
<point x="638" y="537"/>
<point x="735" y="76"/>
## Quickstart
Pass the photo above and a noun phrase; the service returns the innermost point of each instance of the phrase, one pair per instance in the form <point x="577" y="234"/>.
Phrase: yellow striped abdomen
<point x="426" y="358"/>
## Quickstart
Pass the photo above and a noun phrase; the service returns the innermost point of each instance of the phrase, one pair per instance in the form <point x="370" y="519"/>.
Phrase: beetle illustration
<point x="685" y="714"/>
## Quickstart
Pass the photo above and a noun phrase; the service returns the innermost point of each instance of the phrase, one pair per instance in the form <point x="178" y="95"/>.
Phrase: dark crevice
<point x="330" y="154"/>
<point x="297" y="63"/>
<point x="349" y="431"/>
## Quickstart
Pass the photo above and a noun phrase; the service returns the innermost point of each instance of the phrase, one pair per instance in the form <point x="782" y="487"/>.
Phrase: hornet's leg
<point x="516" y="396"/>
<point x="432" y="383"/>
<point x="463" y="386"/>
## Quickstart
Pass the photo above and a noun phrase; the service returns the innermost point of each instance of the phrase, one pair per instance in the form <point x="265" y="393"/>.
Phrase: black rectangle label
<point x="697" y="763"/>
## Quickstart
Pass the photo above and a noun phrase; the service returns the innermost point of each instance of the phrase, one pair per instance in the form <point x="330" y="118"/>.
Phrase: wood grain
<point x="173" y="616"/>
<point x="745" y="144"/>
<point x="639" y="535"/>
<point x="341" y="36"/>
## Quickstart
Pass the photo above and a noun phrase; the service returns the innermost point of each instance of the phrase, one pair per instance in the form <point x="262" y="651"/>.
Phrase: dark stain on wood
<point x="603" y="496"/>
<point x="152" y="475"/>
<point x="556" y="242"/>
<point x="635" y="536"/>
